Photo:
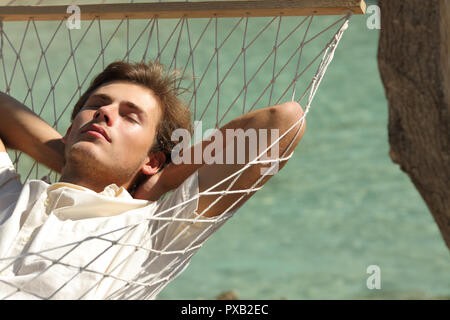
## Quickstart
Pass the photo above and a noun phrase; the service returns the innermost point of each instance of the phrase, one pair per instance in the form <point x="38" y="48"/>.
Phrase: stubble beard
<point x="85" y="167"/>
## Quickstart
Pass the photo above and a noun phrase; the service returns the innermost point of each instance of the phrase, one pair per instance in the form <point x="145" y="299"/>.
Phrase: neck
<point x="96" y="182"/>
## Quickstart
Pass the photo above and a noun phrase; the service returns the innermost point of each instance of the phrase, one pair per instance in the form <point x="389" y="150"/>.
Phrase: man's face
<point x="114" y="131"/>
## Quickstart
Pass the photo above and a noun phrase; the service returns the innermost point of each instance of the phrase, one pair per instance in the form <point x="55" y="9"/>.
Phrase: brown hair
<point x="175" y="114"/>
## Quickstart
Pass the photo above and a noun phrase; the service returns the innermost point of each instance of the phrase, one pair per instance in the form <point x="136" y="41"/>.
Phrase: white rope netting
<point x="234" y="65"/>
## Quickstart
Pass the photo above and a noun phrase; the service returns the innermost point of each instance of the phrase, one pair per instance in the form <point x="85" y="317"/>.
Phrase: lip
<point x="98" y="131"/>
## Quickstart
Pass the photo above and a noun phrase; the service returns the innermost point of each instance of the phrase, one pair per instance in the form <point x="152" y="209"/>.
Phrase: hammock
<point x="237" y="56"/>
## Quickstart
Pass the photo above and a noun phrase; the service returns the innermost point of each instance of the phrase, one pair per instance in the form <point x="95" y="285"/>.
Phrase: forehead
<point x="122" y="91"/>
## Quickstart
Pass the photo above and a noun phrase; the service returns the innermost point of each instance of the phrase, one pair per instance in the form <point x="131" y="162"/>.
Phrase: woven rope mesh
<point x="232" y="66"/>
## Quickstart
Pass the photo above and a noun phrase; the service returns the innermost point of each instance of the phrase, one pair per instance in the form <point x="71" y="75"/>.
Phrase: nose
<point x="106" y="114"/>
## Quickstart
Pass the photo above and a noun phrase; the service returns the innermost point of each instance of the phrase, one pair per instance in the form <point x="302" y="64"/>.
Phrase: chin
<point x="84" y="150"/>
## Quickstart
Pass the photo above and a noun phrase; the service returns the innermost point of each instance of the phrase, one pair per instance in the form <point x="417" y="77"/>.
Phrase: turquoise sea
<point x="339" y="206"/>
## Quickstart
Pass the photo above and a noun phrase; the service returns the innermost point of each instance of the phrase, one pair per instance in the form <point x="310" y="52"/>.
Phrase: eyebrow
<point x="100" y="95"/>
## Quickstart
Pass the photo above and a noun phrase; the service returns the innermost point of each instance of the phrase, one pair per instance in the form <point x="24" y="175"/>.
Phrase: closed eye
<point x="131" y="112"/>
<point x="95" y="104"/>
<point x="132" y="118"/>
<point x="97" y="101"/>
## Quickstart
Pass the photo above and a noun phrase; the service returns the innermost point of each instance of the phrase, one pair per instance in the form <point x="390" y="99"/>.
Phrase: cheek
<point x="81" y="119"/>
<point x="137" y="140"/>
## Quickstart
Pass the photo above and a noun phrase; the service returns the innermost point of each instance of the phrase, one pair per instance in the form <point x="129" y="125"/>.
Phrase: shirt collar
<point x="112" y="191"/>
<point x="71" y="201"/>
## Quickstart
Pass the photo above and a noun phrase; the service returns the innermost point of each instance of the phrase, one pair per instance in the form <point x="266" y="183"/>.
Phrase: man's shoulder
<point x="10" y="182"/>
<point x="8" y="173"/>
<point x="5" y="160"/>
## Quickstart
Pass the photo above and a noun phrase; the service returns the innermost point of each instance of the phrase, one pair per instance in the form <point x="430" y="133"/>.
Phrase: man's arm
<point x="22" y="130"/>
<point x="281" y="117"/>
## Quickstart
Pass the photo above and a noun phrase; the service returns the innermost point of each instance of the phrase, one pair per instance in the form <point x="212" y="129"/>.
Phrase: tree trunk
<point x="413" y="58"/>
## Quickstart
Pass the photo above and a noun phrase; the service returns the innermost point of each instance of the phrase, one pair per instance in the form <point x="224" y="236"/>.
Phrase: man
<point x="124" y="220"/>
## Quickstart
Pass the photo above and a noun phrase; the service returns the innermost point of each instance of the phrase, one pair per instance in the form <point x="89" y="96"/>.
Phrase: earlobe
<point x="154" y="164"/>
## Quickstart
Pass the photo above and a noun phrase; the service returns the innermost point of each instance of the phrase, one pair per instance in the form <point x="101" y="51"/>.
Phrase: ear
<point x="155" y="162"/>
<point x="64" y="139"/>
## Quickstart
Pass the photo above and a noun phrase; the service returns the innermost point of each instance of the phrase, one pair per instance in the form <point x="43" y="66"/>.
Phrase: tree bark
<point x="413" y="58"/>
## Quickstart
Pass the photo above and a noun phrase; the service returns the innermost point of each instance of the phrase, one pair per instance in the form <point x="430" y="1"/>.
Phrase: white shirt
<point x="64" y="241"/>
